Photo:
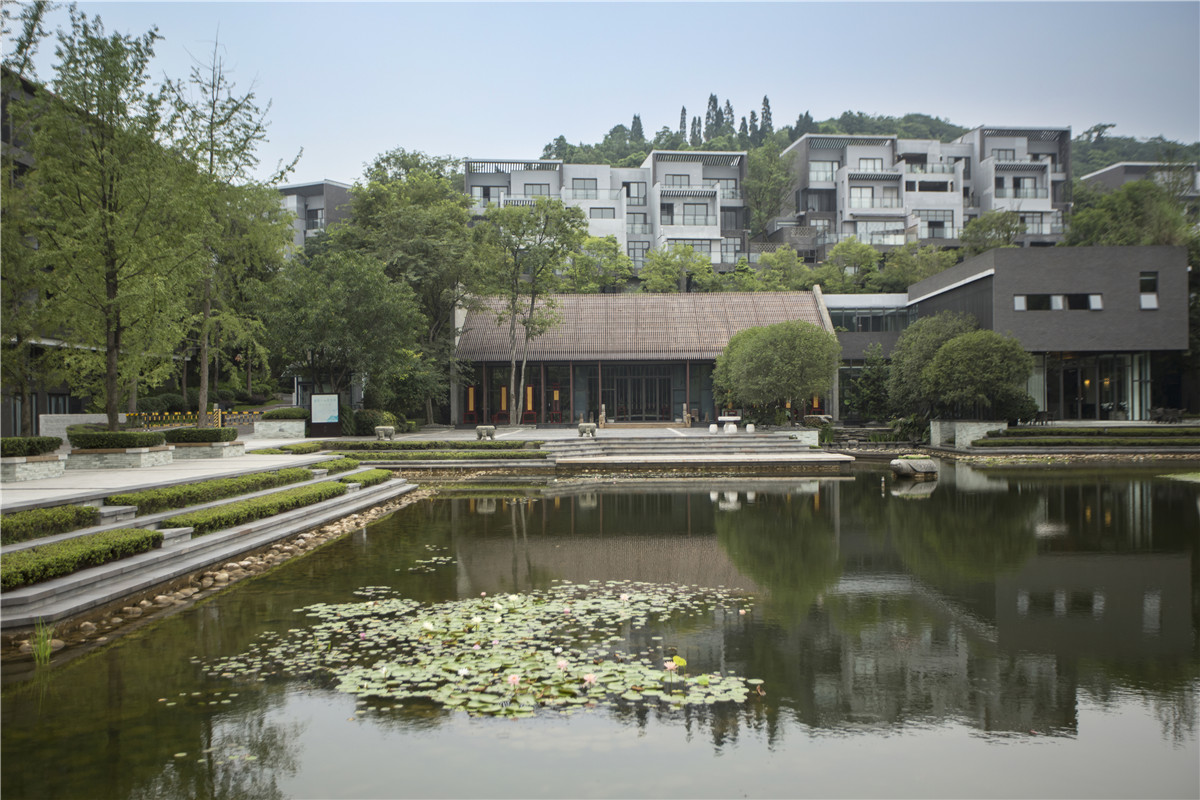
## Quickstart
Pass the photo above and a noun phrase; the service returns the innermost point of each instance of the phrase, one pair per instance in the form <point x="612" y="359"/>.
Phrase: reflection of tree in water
<point x="786" y="544"/>
<point x="951" y="536"/>
<point x="1170" y="686"/>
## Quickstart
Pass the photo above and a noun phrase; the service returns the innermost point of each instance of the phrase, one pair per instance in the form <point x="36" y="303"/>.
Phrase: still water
<point x="998" y="634"/>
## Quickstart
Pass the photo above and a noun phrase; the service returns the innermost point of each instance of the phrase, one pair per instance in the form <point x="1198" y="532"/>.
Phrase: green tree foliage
<point x="524" y="248"/>
<point x="636" y="135"/>
<point x="411" y="215"/>
<point x="910" y="126"/>
<point x="914" y="350"/>
<point x="909" y="264"/>
<point x="975" y="372"/>
<point x="245" y="230"/>
<point x="1138" y="213"/>
<point x="667" y="270"/>
<point x="766" y="125"/>
<point x="1094" y="149"/>
<point x="115" y="211"/>
<point x="784" y="271"/>
<point x="768" y="184"/>
<point x="990" y="230"/>
<point x="598" y="265"/>
<point x="340" y="315"/>
<point x="868" y="395"/>
<point x="742" y="278"/>
<point x="695" y="139"/>
<point x="852" y="261"/>
<point x="777" y="364"/>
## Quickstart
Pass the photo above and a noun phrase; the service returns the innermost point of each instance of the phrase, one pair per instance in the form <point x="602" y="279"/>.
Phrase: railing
<point x="636" y="228"/>
<point x="699" y="219"/>
<point x="820" y="175"/>
<point x="593" y="194"/>
<point x="875" y="202"/>
<point x="176" y="419"/>
<point x="925" y="232"/>
<point x="1035" y="193"/>
<point x="1044" y="229"/>
<point x="930" y="169"/>
<point x="635" y="201"/>
<point x="725" y="192"/>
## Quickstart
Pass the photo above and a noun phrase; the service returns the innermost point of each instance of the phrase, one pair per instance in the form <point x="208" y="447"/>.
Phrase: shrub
<point x="366" y="420"/>
<point x="267" y="451"/>
<point x="201" y="435"/>
<point x="336" y="465"/>
<point x="152" y="405"/>
<point x="214" y="519"/>
<point x="286" y="413"/>
<point x="48" y="561"/>
<point x="446" y="455"/>
<point x="28" y="445"/>
<point x="174" y="403"/>
<point x="150" y="501"/>
<point x="225" y="396"/>
<point x="458" y="444"/>
<point x="302" y="449"/>
<point x="368" y="478"/>
<point x="21" y="526"/>
<point x="101" y="440"/>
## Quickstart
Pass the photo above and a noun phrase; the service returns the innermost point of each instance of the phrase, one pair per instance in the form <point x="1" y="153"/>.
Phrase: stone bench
<point x="587" y="429"/>
<point x="485" y="432"/>
<point x="730" y="423"/>
<point x="384" y="432"/>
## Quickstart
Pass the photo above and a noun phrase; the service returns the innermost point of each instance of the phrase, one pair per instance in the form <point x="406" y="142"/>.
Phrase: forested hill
<point x="720" y="128"/>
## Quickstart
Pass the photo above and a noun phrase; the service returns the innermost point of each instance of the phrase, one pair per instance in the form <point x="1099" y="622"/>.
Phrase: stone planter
<point x="31" y="468"/>
<point x="960" y="433"/>
<point x="121" y="458"/>
<point x="208" y="450"/>
<point x="279" y="429"/>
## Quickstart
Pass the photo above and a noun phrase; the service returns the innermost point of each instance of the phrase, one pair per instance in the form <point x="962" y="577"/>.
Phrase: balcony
<point x="1043" y="229"/>
<point x="818" y="175"/>
<point x="699" y="219"/>
<point x="1023" y="193"/>
<point x="876" y="202"/>
<point x="593" y="194"/>
<point x="929" y="169"/>
<point x="637" y="228"/>
<point x="926" y="232"/>
<point x="725" y="193"/>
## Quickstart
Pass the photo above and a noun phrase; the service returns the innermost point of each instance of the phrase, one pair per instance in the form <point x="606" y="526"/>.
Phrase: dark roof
<point x="638" y="327"/>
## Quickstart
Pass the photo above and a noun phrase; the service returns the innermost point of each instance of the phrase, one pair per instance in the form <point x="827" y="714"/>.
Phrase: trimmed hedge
<point x="151" y="501"/>
<point x="38" y="564"/>
<point x="1089" y="441"/>
<point x="367" y="419"/>
<point x="215" y="519"/>
<point x="268" y="451"/>
<point x="105" y="440"/>
<point x="464" y="444"/>
<point x="1121" y="431"/>
<point x="286" y="413"/>
<point x="21" y="526"/>
<point x="446" y="455"/>
<point x="201" y="435"/>
<point x="303" y="449"/>
<point x="336" y="465"/>
<point x="368" y="478"/>
<point x="12" y="446"/>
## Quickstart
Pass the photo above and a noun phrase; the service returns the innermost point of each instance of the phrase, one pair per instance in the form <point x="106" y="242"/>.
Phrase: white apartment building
<point x="675" y="197"/>
<point x="887" y="191"/>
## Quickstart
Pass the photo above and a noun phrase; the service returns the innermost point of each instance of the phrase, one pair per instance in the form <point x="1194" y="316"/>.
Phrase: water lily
<point x="477" y="620"/>
<point x="464" y="672"/>
<point x="671" y="666"/>
<point x="589" y="679"/>
<point x="624" y="598"/>
<point x="483" y="594"/>
<point x="562" y="663"/>
<point x="428" y="626"/>
<point x="497" y="607"/>
<point x="513" y="680"/>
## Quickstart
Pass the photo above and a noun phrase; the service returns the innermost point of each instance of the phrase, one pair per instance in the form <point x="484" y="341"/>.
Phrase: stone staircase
<point x="734" y="452"/>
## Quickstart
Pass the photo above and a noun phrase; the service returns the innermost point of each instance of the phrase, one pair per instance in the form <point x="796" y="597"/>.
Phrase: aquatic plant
<point x="43" y="637"/>
<point x="567" y="647"/>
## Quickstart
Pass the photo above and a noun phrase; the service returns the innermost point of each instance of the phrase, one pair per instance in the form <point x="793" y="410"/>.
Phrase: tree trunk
<point x="202" y="420"/>
<point x="132" y="407"/>
<point x="112" y="349"/>
<point x="27" y="410"/>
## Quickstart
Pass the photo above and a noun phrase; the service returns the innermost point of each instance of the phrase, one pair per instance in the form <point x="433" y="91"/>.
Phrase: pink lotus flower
<point x="514" y="679"/>
<point x="671" y="666"/>
<point x="483" y="594"/>
<point x="589" y="679"/>
<point x="562" y="663"/>
<point x="624" y="598"/>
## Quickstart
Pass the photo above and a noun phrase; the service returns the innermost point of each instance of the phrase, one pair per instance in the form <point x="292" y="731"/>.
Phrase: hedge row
<point x="410" y="445"/>
<point x="1123" y="431"/>
<point x="13" y="446"/>
<point x="336" y="465"/>
<point x="104" y="440"/>
<point x="215" y="519"/>
<point x="21" y="526"/>
<point x="446" y="455"/>
<point x="151" y="501"/>
<point x="178" y="435"/>
<point x="302" y="449"/>
<point x="367" y="419"/>
<point x="369" y="478"/>
<point x="1089" y="441"/>
<point x="62" y="558"/>
<point x="286" y="413"/>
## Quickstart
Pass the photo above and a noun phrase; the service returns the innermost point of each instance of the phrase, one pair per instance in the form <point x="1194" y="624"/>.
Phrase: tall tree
<point x="914" y="351"/>
<point x="907" y="265"/>
<point x="116" y="211"/>
<point x="525" y="247"/>
<point x="695" y="140"/>
<point x="977" y="371"/>
<point x="788" y="362"/>
<point x="683" y="121"/>
<point x="600" y="264"/>
<point x="743" y="135"/>
<point x="855" y="261"/>
<point x="766" y="125"/>
<point x="244" y="230"/>
<point x="636" y="134"/>
<point x="768" y="184"/>
<point x="712" y="118"/>
<point x="755" y="136"/>
<point x="728" y="120"/>
<point x="784" y="271"/>
<point x="667" y="270"/>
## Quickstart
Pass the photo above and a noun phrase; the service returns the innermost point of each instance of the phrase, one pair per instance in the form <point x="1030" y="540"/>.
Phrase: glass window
<point x="666" y="213"/>
<point x="695" y="214"/>
<point x="314" y="219"/>
<point x="822" y="170"/>
<point x="635" y="193"/>
<point x="861" y="196"/>
<point x="584" y="188"/>
<point x="1096" y="302"/>
<point x="58" y="404"/>
<point x="731" y="219"/>
<point x="603" y="213"/>
<point x="699" y="245"/>
<point x="537" y="189"/>
<point x="677" y="180"/>
<point x="871" y="164"/>
<point x="1004" y="155"/>
<point x="1148" y="284"/>
<point x="637" y="251"/>
<point x="1019" y="302"/>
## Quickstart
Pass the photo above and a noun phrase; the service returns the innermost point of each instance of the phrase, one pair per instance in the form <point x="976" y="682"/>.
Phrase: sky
<point x="348" y="81"/>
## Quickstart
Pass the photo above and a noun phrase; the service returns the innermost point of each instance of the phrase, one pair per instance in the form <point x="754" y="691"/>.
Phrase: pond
<point x="1009" y="633"/>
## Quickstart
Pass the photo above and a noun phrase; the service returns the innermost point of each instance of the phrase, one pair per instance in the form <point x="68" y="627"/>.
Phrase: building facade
<point x="887" y="191"/>
<point x="314" y="207"/>
<point x="689" y="198"/>
<point x="644" y="357"/>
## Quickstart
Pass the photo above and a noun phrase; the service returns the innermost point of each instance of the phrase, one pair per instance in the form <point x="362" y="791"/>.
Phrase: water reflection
<point x="1016" y="605"/>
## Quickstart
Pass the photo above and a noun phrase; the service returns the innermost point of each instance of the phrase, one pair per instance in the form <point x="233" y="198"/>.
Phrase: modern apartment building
<point x="887" y="191"/>
<point x="675" y="197"/>
<point x="1182" y="178"/>
<point x="315" y="206"/>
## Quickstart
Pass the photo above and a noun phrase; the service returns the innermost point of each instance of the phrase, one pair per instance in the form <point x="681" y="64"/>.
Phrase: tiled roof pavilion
<point x="640" y="327"/>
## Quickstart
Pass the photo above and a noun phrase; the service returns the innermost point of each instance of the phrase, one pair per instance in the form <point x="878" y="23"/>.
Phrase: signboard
<point x="324" y="408"/>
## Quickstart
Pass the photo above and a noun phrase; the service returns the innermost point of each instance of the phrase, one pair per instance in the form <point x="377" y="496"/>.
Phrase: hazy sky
<point x="351" y="80"/>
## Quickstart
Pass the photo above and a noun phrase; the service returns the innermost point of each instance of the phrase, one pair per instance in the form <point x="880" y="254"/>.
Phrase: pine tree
<point x="695" y="140"/>
<point x="712" y="118"/>
<point x="766" y="126"/>
<point x="743" y="135"/>
<point x="683" y="128"/>
<point x="729" y="118"/>
<point x="755" y="136"/>
<point x="635" y="130"/>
